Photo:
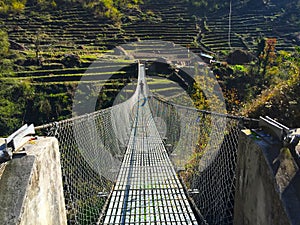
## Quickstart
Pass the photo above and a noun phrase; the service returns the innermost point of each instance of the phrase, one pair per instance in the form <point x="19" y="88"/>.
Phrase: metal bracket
<point x="14" y="142"/>
<point x="275" y="129"/>
<point x="290" y="138"/>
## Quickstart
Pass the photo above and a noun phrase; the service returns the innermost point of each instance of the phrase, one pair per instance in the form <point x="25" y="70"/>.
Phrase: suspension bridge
<point x="147" y="188"/>
<point x="119" y="167"/>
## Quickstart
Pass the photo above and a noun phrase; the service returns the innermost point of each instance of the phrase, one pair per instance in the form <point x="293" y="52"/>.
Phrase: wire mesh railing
<point x="203" y="147"/>
<point x="91" y="154"/>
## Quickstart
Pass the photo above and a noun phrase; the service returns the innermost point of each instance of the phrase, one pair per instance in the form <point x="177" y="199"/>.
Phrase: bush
<point x="12" y="6"/>
<point x="71" y="60"/>
<point x="13" y="98"/>
<point x="17" y="7"/>
<point x="6" y="67"/>
<point x="3" y="8"/>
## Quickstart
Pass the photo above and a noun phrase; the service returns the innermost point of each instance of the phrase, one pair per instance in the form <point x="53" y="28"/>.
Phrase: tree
<point x="13" y="101"/>
<point x="268" y="55"/>
<point x="4" y="44"/>
<point x="5" y="64"/>
<point x="37" y="48"/>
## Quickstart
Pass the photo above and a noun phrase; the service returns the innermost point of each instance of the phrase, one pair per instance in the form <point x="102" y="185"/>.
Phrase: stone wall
<point x="31" y="190"/>
<point x="267" y="190"/>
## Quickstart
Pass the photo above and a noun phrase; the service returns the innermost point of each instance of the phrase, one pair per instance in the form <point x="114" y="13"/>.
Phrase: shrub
<point x="12" y="6"/>
<point x="3" y="8"/>
<point x="17" y="7"/>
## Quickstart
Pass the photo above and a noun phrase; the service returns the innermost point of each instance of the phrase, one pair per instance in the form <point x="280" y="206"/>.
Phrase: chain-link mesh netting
<point x="203" y="147"/>
<point x="91" y="154"/>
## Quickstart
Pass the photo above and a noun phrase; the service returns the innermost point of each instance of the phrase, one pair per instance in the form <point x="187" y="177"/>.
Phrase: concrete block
<point x="266" y="189"/>
<point x="31" y="190"/>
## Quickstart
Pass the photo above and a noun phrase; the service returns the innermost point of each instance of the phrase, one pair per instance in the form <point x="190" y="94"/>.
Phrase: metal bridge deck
<point x="147" y="190"/>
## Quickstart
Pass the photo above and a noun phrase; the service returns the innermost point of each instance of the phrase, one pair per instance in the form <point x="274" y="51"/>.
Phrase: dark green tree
<point x="4" y="44"/>
<point x="13" y="101"/>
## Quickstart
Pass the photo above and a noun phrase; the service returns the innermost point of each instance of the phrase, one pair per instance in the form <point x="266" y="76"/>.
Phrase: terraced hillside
<point x="248" y="26"/>
<point x="174" y="24"/>
<point x="56" y="48"/>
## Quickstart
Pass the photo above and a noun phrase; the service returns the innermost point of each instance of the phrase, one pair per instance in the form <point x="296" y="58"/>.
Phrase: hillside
<point x="280" y="101"/>
<point x="51" y="47"/>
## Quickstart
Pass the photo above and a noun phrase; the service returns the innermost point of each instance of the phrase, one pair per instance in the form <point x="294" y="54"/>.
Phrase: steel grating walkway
<point x="147" y="190"/>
